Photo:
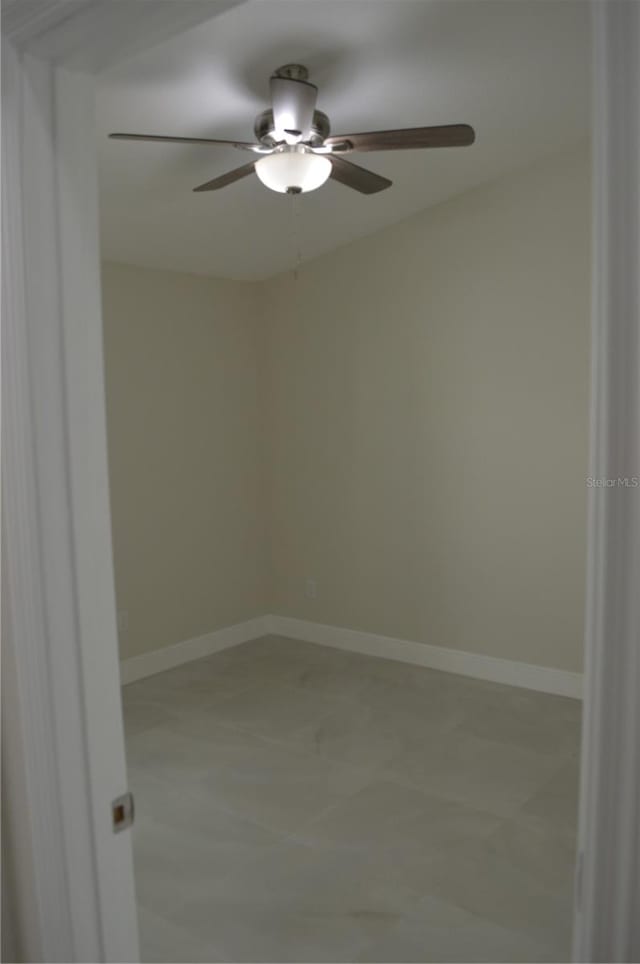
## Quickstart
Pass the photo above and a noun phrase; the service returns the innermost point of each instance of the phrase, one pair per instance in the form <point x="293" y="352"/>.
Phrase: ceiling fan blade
<point x="446" y="135"/>
<point x="357" y="177"/>
<point x="166" y="139"/>
<point x="236" y="175"/>
<point x="293" y="103"/>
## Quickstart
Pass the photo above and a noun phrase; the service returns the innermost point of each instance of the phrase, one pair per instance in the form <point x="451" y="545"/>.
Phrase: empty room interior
<point x="347" y="413"/>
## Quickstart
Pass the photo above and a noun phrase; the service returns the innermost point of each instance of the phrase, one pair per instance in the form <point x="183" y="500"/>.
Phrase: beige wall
<point x="429" y="424"/>
<point x="418" y="400"/>
<point x="188" y="524"/>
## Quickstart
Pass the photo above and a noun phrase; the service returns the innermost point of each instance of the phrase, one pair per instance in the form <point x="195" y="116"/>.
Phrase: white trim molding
<point x="546" y="679"/>
<point x="607" y="921"/>
<point x="159" y="660"/>
<point x="38" y="603"/>
<point x="55" y="502"/>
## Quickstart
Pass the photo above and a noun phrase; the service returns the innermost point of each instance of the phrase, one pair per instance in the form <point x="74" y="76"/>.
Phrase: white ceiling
<point x="517" y="70"/>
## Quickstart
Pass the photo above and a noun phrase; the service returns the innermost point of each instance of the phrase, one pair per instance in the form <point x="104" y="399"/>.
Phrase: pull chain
<point x="295" y="233"/>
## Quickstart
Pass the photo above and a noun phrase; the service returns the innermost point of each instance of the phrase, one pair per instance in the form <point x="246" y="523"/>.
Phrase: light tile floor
<point x="298" y="803"/>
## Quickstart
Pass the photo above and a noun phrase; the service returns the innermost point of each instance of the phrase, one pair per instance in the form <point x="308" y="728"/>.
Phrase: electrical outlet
<point x="311" y="589"/>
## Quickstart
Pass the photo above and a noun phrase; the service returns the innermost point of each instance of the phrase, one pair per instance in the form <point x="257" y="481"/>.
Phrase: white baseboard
<point x="545" y="679"/>
<point x="158" y="660"/>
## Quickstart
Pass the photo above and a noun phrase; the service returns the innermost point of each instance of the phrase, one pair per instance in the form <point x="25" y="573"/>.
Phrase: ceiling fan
<point x="296" y="152"/>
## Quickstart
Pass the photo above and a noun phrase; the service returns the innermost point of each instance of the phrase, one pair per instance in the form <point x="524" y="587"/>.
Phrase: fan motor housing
<point x="264" y="129"/>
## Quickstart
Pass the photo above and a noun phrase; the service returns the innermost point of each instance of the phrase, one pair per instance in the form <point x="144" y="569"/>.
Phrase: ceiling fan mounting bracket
<point x="292" y="72"/>
<point x="264" y="129"/>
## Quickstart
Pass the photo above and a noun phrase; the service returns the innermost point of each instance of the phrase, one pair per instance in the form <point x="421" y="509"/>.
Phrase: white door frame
<point x="71" y="876"/>
<point x="607" y="923"/>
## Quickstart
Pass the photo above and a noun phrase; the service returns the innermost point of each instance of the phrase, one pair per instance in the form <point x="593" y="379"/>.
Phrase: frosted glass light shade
<point x="293" y="169"/>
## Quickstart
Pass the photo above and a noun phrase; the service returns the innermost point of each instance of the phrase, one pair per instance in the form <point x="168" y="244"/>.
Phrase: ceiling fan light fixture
<point x="292" y="137"/>
<point x="293" y="170"/>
